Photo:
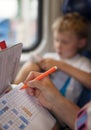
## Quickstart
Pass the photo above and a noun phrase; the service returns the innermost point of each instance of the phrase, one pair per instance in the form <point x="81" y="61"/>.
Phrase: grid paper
<point x="19" y="111"/>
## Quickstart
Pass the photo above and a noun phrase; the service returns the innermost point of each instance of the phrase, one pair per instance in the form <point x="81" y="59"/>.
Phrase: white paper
<point x="19" y="111"/>
<point x="9" y="62"/>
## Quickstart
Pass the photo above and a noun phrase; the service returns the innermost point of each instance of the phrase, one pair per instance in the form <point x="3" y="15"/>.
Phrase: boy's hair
<point x="72" y="22"/>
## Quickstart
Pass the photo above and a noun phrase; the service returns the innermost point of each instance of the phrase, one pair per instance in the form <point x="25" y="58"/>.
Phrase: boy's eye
<point x="64" y="42"/>
<point x="61" y="41"/>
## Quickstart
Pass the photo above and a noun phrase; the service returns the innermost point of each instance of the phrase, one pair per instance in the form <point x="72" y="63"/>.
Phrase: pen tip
<point x="24" y="87"/>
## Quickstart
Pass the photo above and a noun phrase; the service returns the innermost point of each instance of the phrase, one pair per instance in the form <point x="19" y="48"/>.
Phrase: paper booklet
<point x="18" y="110"/>
<point x="9" y="63"/>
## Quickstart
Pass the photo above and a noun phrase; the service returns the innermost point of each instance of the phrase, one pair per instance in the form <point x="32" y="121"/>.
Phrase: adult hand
<point x="44" y="90"/>
<point x="50" y="98"/>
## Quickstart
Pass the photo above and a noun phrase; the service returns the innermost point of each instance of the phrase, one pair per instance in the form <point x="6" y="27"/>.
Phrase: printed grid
<point x="16" y="101"/>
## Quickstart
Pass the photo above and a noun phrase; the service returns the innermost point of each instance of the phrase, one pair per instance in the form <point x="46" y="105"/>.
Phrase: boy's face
<point x="66" y="44"/>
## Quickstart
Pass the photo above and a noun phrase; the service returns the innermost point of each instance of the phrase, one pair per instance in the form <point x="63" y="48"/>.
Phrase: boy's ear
<point x="82" y="43"/>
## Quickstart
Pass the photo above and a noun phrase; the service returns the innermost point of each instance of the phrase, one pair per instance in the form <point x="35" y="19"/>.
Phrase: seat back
<point x="84" y="97"/>
<point x="81" y="6"/>
<point x="86" y="93"/>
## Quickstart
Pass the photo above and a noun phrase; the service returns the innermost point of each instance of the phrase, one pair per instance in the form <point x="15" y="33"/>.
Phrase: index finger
<point x="32" y="75"/>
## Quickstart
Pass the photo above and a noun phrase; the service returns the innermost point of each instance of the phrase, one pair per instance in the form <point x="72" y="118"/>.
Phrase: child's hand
<point x="36" y="58"/>
<point x="47" y="63"/>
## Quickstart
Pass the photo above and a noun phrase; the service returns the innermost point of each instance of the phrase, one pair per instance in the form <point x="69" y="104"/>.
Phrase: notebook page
<point x="19" y="111"/>
<point x="9" y="62"/>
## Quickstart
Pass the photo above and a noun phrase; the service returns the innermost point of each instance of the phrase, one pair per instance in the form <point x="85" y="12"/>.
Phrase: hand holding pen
<point x="41" y="76"/>
<point x="44" y="90"/>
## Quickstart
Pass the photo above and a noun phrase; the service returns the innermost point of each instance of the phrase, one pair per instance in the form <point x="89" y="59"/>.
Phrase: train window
<point x="21" y="21"/>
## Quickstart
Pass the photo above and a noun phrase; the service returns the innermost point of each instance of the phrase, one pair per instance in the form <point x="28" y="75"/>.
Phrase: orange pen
<point x="41" y="76"/>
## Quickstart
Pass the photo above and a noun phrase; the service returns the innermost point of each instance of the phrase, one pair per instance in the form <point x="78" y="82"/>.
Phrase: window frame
<point x="39" y="29"/>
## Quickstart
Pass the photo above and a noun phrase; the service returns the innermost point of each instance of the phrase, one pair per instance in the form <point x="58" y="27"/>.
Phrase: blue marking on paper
<point x="4" y="102"/>
<point x="3" y="110"/>
<point x="14" y="111"/>
<point x="22" y="127"/>
<point x="5" y="127"/>
<point x="24" y="120"/>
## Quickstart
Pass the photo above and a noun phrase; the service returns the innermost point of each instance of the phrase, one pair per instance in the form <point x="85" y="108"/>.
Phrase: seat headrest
<point x="81" y="6"/>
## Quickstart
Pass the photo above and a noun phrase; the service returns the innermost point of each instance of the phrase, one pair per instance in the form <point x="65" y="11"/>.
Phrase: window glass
<point x="19" y="21"/>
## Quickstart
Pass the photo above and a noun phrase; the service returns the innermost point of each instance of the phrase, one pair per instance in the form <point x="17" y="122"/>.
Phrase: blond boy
<point x="70" y="37"/>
